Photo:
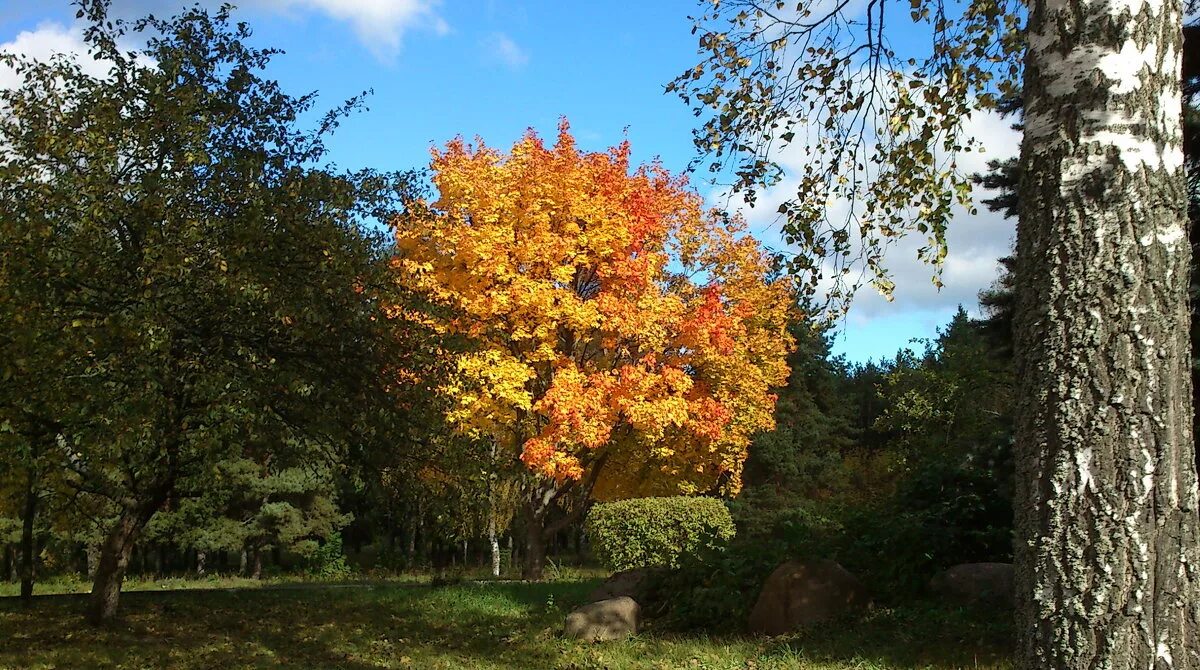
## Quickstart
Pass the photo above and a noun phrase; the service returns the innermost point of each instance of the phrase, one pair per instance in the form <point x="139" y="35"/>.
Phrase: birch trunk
<point x="494" y="543"/>
<point x="1106" y="516"/>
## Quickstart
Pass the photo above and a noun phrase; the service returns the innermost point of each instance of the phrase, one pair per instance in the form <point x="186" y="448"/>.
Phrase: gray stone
<point x="631" y="583"/>
<point x="610" y="619"/>
<point x="976" y="584"/>
<point x="799" y="594"/>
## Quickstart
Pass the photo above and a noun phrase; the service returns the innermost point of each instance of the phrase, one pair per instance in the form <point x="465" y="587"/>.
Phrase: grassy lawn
<point x="501" y="626"/>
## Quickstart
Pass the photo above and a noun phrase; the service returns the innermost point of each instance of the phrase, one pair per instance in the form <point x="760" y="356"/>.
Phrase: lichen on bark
<point x="1107" y="544"/>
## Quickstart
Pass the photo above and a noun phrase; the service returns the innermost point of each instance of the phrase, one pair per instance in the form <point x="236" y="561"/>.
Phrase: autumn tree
<point x="624" y="339"/>
<point x="211" y="284"/>
<point x="1106" y="495"/>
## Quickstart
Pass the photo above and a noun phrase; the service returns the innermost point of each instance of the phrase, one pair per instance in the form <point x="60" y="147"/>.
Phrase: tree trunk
<point x="27" y="540"/>
<point x="1107" y="547"/>
<point x="93" y="560"/>
<point x="256" y="564"/>
<point x="242" y="563"/>
<point x="201" y="562"/>
<point x="494" y="543"/>
<point x="535" y="548"/>
<point x="114" y="559"/>
<point x="410" y="551"/>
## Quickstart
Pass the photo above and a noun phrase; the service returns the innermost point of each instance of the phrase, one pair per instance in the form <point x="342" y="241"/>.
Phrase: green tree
<point x="813" y="422"/>
<point x="215" y="285"/>
<point x="243" y="505"/>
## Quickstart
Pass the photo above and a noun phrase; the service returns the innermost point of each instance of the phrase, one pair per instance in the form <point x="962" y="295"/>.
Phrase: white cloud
<point x="380" y="24"/>
<point x="975" y="241"/>
<point x="43" y="42"/>
<point x="502" y="49"/>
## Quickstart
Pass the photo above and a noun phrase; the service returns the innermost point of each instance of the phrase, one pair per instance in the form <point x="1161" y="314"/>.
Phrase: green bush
<point x="713" y="590"/>
<point x="651" y="532"/>
<point x="328" y="561"/>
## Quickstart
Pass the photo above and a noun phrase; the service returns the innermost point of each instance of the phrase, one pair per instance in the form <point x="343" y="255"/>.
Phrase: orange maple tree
<point x="625" y="338"/>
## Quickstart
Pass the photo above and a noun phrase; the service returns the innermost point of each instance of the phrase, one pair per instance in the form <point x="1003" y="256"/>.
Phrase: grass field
<point x="466" y="626"/>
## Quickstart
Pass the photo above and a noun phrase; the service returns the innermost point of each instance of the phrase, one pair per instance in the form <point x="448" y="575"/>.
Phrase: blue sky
<point x="493" y="68"/>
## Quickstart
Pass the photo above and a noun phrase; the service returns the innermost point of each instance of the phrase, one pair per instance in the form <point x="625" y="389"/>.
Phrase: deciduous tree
<point x="625" y="340"/>
<point x="216" y="288"/>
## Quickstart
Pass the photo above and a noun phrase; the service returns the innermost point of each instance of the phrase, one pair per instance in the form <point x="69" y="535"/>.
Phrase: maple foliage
<point x="622" y="334"/>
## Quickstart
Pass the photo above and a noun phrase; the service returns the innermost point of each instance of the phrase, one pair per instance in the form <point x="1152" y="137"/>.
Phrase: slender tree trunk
<point x="256" y="564"/>
<point x="243" y="559"/>
<point x="114" y="559"/>
<point x="1108" y="550"/>
<point x="410" y="551"/>
<point x="28" y="555"/>
<point x="201" y="562"/>
<point x="494" y="543"/>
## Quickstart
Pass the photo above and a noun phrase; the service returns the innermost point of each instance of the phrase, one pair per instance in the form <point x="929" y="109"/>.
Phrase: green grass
<point x="63" y="584"/>
<point x="467" y="626"/>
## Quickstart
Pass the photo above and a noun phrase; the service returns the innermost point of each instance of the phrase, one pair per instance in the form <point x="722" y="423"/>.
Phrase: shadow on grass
<point x="497" y="626"/>
<point x="920" y="635"/>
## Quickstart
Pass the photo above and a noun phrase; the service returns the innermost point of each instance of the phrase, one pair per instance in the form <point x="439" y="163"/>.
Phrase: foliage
<point x="328" y="560"/>
<point x="592" y="353"/>
<point x="714" y="589"/>
<point x="880" y="130"/>
<point x="942" y="515"/>
<point x="647" y="532"/>
<point x="214" y="286"/>
<point x="245" y="505"/>
<point x="904" y="468"/>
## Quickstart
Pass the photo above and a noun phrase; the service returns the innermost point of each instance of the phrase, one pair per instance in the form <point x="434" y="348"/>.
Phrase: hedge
<point x="650" y="532"/>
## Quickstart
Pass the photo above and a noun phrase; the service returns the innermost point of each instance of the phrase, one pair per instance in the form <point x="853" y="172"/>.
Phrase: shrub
<point x="713" y="590"/>
<point x="941" y="515"/>
<point x="651" y="532"/>
<point x="328" y="561"/>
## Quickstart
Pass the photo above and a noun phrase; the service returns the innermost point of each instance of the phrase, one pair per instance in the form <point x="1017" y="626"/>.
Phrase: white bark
<point x="1106" y="504"/>
<point x="495" y="544"/>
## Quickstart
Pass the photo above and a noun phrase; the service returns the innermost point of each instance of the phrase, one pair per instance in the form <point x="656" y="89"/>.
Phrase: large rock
<point x="630" y="583"/>
<point x="804" y="593"/>
<point x="976" y="584"/>
<point x="610" y="619"/>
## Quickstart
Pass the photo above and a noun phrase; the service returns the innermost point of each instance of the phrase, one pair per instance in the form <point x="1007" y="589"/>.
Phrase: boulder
<point x="630" y="583"/>
<point x="610" y="619"/>
<point x="803" y="593"/>
<point x="976" y="584"/>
